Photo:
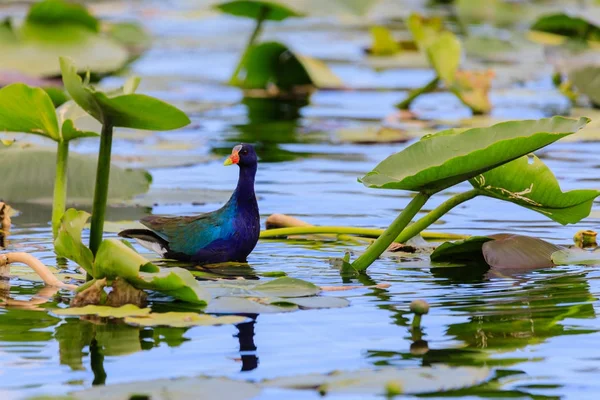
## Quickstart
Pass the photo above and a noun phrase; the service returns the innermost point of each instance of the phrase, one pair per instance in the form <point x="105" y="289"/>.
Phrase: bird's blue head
<point x="242" y="155"/>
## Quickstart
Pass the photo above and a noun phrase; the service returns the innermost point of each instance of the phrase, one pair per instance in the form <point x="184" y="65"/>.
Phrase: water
<point x="537" y="330"/>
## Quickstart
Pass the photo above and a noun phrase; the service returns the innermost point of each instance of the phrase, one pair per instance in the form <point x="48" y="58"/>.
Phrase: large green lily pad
<point x="53" y="29"/>
<point x="27" y="175"/>
<point x="446" y="158"/>
<point x="528" y="182"/>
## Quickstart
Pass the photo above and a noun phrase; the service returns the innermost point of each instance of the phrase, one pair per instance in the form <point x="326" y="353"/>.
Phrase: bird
<point x="228" y="234"/>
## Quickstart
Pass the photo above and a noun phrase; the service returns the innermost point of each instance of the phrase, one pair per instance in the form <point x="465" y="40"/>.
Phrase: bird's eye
<point x="244" y="152"/>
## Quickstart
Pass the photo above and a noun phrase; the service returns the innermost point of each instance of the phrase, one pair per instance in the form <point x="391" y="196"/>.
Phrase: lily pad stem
<point x="435" y="214"/>
<point x="60" y="185"/>
<point x="101" y="189"/>
<point x="262" y="15"/>
<point x="413" y="94"/>
<point x="391" y="233"/>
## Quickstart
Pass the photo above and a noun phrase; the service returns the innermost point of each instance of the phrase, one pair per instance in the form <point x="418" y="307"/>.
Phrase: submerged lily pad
<point x="387" y="381"/>
<point x="128" y="310"/>
<point x="528" y="182"/>
<point x="28" y="176"/>
<point x="182" y="320"/>
<point x="446" y="158"/>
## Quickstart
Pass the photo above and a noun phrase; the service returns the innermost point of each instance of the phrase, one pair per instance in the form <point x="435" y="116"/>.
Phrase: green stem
<point x="60" y="185"/>
<point x="101" y="189"/>
<point x="391" y="233"/>
<point x="413" y="94"/>
<point x="435" y="214"/>
<point x="264" y="11"/>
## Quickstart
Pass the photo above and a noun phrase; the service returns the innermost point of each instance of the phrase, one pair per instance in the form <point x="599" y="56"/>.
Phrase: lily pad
<point x="587" y="82"/>
<point x="28" y="176"/>
<point x="53" y="29"/>
<point x="387" y="381"/>
<point x="446" y="158"/>
<point x="182" y="320"/>
<point x="121" y="108"/>
<point x="287" y="287"/>
<point x="468" y="250"/>
<point x="576" y="256"/>
<point x="274" y="63"/>
<point x="173" y="389"/>
<point x="517" y="252"/>
<point x="116" y="259"/>
<point x="528" y="182"/>
<point x="128" y="310"/>
<point x="560" y="27"/>
<point x="315" y="302"/>
<point x="255" y="9"/>
<point x="27" y="274"/>
<point x="242" y="305"/>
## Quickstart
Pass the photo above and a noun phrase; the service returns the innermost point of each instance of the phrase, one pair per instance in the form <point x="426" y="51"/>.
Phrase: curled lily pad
<point x="576" y="256"/>
<point x="387" y="381"/>
<point x="528" y="182"/>
<point x="128" y="310"/>
<point x="182" y="320"/>
<point x="273" y="63"/>
<point x="518" y="252"/>
<point x="446" y="158"/>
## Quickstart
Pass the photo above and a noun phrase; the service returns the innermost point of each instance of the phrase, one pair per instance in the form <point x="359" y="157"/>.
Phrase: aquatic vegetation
<point x="54" y="28"/>
<point x="121" y="108"/>
<point x="271" y="68"/>
<point x="444" y="50"/>
<point x="427" y="167"/>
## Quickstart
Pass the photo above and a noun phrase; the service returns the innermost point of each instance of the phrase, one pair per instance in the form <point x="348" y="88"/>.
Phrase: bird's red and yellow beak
<point x="234" y="158"/>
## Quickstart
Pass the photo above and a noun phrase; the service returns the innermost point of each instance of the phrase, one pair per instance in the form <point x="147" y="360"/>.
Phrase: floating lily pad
<point x="128" y="310"/>
<point x="287" y="287"/>
<point x="173" y="389"/>
<point x="587" y="82"/>
<point x="182" y="320"/>
<point x="53" y="29"/>
<point x="556" y="29"/>
<point x="518" y="252"/>
<point x="576" y="256"/>
<point x="446" y="158"/>
<point x="315" y="302"/>
<point x="27" y="274"/>
<point x="387" y="381"/>
<point x="270" y="10"/>
<point x="528" y="182"/>
<point x="242" y="305"/>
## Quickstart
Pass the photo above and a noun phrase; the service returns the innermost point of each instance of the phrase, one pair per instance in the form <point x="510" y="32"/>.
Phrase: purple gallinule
<point x="228" y="234"/>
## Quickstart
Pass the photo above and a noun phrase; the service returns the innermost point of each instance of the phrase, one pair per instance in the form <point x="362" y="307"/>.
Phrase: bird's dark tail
<point x="148" y="239"/>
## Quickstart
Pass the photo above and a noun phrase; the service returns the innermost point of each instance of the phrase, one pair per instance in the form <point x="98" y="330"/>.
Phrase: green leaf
<point x="517" y="252"/>
<point x="53" y="12"/>
<point x="572" y="27"/>
<point x="128" y="310"/>
<point x="383" y="43"/>
<point x="576" y="256"/>
<point x="116" y="259"/>
<point x="29" y="110"/>
<point x="274" y="63"/>
<point x="446" y="158"/>
<point x="587" y="82"/>
<point x="444" y="55"/>
<point x="125" y="110"/>
<point x="528" y="182"/>
<point x="182" y="320"/>
<point x="287" y="287"/>
<point x="28" y="176"/>
<point x="387" y="381"/>
<point x="424" y="30"/>
<point x="468" y="250"/>
<point x="54" y="29"/>
<point x="68" y="242"/>
<point x="270" y="10"/>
